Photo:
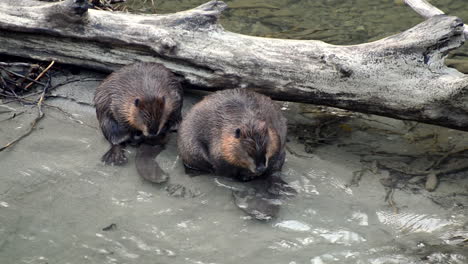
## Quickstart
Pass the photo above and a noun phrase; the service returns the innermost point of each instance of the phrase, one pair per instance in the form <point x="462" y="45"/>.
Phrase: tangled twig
<point x="40" y="75"/>
<point x="40" y="114"/>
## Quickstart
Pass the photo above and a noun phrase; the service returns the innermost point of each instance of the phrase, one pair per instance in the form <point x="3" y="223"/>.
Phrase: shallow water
<point x="58" y="201"/>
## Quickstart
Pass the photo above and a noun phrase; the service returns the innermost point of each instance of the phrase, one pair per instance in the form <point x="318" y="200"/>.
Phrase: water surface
<point x="60" y="204"/>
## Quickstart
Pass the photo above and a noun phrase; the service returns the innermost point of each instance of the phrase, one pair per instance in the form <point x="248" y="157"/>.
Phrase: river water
<point x="60" y="204"/>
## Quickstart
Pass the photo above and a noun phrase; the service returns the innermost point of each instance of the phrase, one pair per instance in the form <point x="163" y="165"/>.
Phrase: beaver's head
<point x="250" y="146"/>
<point x="150" y="115"/>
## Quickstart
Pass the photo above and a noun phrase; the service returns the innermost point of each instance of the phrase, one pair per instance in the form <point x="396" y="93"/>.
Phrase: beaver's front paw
<point x="280" y="187"/>
<point x="115" y="156"/>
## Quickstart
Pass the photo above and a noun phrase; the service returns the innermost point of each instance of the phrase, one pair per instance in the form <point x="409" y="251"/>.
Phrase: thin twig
<point x="69" y="115"/>
<point x="445" y="157"/>
<point x="71" y="99"/>
<point x="416" y="172"/>
<point x="13" y="116"/>
<point x="357" y="175"/>
<point x="40" y="75"/>
<point x="392" y="202"/>
<point x="3" y="81"/>
<point x="389" y="199"/>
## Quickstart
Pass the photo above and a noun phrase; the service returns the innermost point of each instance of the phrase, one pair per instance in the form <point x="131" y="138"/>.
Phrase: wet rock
<point x="431" y="182"/>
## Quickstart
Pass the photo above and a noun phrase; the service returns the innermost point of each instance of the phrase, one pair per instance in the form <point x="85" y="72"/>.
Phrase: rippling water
<point x="59" y="204"/>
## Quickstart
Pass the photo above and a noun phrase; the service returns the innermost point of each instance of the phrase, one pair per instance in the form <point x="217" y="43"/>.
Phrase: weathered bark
<point x="427" y="10"/>
<point x="401" y="76"/>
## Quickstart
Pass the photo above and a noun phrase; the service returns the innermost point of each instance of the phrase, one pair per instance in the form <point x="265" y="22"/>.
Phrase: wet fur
<point x="138" y="97"/>
<point x="207" y="136"/>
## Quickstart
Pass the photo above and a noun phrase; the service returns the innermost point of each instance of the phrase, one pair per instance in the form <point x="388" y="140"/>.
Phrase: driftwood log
<point x="401" y="76"/>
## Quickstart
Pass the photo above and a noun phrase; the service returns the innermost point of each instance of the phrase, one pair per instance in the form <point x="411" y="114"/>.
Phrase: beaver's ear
<point x="137" y="102"/>
<point x="238" y="133"/>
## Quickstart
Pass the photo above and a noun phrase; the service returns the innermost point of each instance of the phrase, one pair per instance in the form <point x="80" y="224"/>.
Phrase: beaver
<point x="140" y="103"/>
<point x="237" y="133"/>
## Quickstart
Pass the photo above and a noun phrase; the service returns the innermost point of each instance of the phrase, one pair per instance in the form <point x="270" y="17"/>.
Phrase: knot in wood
<point x="168" y="44"/>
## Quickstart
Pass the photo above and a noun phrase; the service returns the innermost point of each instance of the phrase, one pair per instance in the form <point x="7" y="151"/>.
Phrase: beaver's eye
<point x="237" y="133"/>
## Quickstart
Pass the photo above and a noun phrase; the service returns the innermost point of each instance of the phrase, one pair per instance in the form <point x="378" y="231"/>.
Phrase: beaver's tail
<point x="146" y="163"/>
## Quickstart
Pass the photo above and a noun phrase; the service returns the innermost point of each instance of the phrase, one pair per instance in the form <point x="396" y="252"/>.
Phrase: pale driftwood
<point x="423" y="8"/>
<point x="427" y="10"/>
<point x="401" y="76"/>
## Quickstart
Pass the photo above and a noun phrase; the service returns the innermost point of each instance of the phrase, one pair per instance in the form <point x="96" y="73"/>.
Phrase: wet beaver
<point x="139" y="103"/>
<point x="236" y="132"/>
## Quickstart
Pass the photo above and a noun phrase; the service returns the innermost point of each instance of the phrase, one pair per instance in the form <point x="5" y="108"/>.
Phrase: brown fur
<point x="234" y="132"/>
<point x="141" y="98"/>
<point x="231" y="153"/>
<point x="274" y="145"/>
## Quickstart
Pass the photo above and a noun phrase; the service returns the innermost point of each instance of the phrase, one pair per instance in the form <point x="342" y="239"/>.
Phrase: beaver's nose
<point x="260" y="168"/>
<point x="152" y="135"/>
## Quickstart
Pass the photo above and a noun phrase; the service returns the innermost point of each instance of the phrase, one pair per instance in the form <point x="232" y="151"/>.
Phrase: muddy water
<point x="59" y="204"/>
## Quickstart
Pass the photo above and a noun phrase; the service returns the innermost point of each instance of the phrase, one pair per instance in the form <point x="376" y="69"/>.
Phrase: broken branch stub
<point x="401" y="76"/>
<point x="427" y="10"/>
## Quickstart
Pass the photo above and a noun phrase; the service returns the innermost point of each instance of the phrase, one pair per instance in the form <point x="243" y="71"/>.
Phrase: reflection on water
<point x="411" y="222"/>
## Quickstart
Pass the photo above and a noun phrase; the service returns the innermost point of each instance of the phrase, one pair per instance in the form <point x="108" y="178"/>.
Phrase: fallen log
<point x="401" y="76"/>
